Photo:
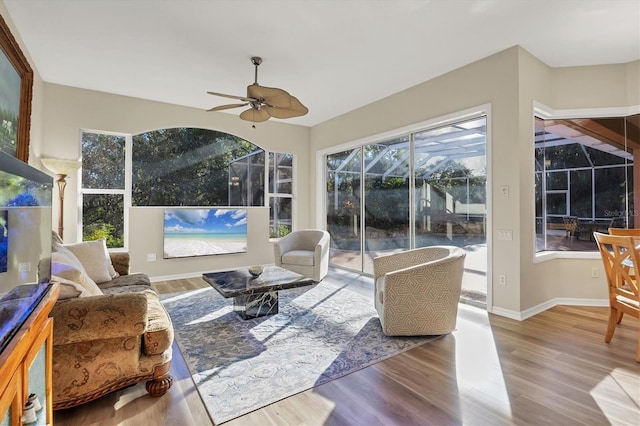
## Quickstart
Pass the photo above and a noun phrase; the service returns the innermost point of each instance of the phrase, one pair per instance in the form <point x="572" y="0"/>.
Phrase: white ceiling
<point x="335" y="56"/>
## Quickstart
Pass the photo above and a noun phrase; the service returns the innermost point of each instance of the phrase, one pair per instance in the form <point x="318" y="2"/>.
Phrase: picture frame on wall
<point x="16" y="85"/>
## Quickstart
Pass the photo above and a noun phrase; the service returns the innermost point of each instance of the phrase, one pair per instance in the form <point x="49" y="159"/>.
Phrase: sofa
<point x="110" y="329"/>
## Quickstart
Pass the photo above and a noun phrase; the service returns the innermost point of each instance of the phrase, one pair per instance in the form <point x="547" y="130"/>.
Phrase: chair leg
<point x="161" y="381"/>
<point x="620" y="313"/>
<point x="611" y="325"/>
<point x="638" y="350"/>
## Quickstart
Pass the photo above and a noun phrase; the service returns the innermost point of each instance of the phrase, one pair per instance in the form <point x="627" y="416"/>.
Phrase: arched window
<point x="195" y="167"/>
<point x="168" y="167"/>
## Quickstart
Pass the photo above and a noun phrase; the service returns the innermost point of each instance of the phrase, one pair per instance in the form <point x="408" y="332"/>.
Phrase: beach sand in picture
<point x="187" y="247"/>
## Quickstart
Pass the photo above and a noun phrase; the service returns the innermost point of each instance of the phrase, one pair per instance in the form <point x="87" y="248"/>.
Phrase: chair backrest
<point x="633" y="232"/>
<point x="621" y="259"/>
<point x="570" y="223"/>
<point x="407" y="258"/>
<point x="305" y="239"/>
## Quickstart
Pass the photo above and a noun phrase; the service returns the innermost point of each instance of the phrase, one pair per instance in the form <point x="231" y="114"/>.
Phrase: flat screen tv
<point x="190" y="232"/>
<point x="25" y="242"/>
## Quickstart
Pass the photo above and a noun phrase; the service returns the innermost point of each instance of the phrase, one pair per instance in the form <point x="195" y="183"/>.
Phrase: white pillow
<point x="64" y="268"/>
<point x="69" y="289"/>
<point x="95" y="259"/>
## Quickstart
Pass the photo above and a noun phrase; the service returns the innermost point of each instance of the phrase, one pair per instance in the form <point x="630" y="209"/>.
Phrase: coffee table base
<point x="254" y="305"/>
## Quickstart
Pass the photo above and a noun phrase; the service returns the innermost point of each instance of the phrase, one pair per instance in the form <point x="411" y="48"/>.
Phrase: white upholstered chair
<point x="417" y="291"/>
<point x="305" y="252"/>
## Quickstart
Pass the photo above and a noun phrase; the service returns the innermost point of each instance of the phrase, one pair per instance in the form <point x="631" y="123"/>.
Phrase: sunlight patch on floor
<point x="617" y="395"/>
<point x="184" y="295"/>
<point x="212" y="315"/>
<point x="478" y="369"/>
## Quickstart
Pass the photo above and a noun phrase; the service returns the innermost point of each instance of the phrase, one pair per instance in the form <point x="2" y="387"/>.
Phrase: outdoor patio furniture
<point x="570" y="225"/>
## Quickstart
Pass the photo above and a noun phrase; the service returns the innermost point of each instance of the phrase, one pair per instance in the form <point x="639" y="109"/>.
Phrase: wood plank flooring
<point x="554" y="368"/>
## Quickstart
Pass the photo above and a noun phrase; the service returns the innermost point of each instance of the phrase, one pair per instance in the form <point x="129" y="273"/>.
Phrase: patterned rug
<point x="321" y="333"/>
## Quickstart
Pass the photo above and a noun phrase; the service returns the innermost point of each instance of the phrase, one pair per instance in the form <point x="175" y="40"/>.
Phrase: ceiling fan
<point x="265" y="102"/>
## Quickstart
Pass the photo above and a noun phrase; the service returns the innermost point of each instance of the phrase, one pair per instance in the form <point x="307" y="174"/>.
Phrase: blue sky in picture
<point x="199" y="221"/>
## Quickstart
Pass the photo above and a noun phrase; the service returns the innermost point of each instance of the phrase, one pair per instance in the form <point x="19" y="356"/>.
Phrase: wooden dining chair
<point x="620" y="258"/>
<point x="630" y="232"/>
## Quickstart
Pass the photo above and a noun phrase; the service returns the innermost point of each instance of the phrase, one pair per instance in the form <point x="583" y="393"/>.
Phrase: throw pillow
<point x="68" y="288"/>
<point x="94" y="256"/>
<point x="64" y="267"/>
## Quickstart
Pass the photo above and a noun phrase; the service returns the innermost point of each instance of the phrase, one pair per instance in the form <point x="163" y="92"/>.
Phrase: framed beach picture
<point x="16" y="85"/>
<point x="190" y="232"/>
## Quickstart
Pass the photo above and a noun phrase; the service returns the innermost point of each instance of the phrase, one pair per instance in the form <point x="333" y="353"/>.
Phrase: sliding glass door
<point x="450" y="184"/>
<point x="344" y="174"/>
<point x="386" y="199"/>
<point x="416" y="190"/>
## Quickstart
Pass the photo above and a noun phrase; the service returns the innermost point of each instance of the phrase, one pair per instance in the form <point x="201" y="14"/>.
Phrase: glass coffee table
<point x="255" y="297"/>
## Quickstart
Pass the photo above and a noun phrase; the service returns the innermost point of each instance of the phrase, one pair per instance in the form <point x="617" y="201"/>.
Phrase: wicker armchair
<point x="417" y="291"/>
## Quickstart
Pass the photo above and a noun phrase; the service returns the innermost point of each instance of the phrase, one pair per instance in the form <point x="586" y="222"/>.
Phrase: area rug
<point x="321" y="333"/>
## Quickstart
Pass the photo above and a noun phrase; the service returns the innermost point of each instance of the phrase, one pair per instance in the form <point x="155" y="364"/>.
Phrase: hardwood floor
<point x="554" y="368"/>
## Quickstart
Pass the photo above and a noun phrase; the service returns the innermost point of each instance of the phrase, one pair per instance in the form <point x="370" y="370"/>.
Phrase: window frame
<point x="269" y="194"/>
<point x="545" y="112"/>
<point x="126" y="191"/>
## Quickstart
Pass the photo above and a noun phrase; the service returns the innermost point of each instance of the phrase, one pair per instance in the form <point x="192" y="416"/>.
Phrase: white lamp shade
<point x="61" y="166"/>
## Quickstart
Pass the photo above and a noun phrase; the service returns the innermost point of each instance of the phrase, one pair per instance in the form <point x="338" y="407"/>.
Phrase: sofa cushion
<point x="298" y="257"/>
<point x="120" y="261"/>
<point x="126" y="283"/>
<point x="64" y="267"/>
<point x="94" y="256"/>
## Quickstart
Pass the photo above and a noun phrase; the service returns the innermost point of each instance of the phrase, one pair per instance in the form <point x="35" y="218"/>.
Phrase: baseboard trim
<point x="528" y="313"/>
<point x="175" y="277"/>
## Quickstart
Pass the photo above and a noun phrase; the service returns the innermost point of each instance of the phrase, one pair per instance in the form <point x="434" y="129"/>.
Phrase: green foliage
<point x="184" y="166"/>
<point x="96" y="231"/>
<point x="103" y="217"/>
<point x="8" y="131"/>
<point x="103" y="160"/>
<point x="280" y="232"/>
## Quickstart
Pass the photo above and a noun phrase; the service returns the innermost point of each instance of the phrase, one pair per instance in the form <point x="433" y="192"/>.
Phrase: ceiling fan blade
<point x="271" y="95"/>
<point x="242" y="98"/>
<point x="295" y="110"/>
<point x="255" y="115"/>
<point x="223" y="107"/>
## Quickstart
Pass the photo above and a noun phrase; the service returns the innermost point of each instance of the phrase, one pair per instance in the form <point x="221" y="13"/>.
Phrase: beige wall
<point x="68" y="110"/>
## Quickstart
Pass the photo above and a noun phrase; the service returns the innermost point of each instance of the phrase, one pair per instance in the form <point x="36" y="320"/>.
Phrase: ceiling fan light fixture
<point x="265" y="102"/>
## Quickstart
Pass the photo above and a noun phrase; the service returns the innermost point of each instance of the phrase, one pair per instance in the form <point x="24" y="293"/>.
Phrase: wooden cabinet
<point x="25" y="366"/>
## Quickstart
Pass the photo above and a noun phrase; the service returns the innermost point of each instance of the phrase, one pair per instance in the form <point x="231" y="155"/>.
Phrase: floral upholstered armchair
<point x="110" y="329"/>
